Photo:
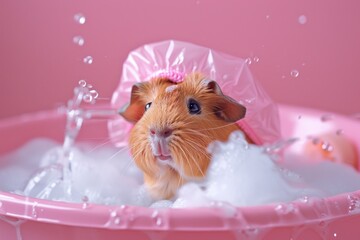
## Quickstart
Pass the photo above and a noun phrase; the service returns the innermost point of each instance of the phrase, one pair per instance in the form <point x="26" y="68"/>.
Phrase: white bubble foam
<point x="240" y="174"/>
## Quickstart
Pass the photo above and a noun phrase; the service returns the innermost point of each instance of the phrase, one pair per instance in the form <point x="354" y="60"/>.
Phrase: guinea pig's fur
<point x="190" y="133"/>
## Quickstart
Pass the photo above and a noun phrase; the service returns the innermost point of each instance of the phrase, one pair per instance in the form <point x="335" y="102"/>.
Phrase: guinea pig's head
<point x="174" y="123"/>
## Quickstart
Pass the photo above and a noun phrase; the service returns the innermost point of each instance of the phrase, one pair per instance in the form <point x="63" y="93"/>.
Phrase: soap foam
<point x="240" y="174"/>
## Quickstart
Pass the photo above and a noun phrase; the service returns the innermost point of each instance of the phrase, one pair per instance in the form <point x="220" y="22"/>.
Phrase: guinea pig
<point x="174" y="124"/>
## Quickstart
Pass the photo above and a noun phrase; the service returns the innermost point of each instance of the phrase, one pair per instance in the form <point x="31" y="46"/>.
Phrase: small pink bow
<point x="172" y="75"/>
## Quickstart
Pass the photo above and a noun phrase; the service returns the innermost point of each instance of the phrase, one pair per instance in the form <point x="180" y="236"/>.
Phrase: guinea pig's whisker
<point x="193" y="158"/>
<point x="198" y="148"/>
<point x="100" y="145"/>
<point x="143" y="155"/>
<point x="117" y="152"/>
<point x="194" y="145"/>
<point x="136" y="153"/>
<point x="127" y="165"/>
<point x="196" y="133"/>
<point x="185" y="156"/>
<point x="219" y="127"/>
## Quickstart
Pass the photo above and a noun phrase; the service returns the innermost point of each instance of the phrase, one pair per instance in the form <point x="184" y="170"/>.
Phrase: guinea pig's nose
<point x="166" y="132"/>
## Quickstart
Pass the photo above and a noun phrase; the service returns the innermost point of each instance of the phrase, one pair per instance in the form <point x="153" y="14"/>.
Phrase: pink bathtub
<point x="25" y="218"/>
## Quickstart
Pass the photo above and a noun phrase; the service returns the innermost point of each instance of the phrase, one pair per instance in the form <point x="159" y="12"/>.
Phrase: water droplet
<point x="327" y="147"/>
<point x="251" y="231"/>
<point x="82" y="83"/>
<point x="315" y="140"/>
<point x="198" y="2"/>
<point x="335" y="234"/>
<point x="88" y="98"/>
<point x="283" y="76"/>
<point x="88" y="60"/>
<point x="34" y="212"/>
<point x="267" y="17"/>
<point x="113" y="214"/>
<point x="225" y="76"/>
<point x="284" y="208"/>
<point x="248" y="61"/>
<point x="294" y="73"/>
<point x="155" y="214"/>
<point x="256" y="59"/>
<point x="94" y="93"/>
<point x="79" y="40"/>
<point x="304" y="199"/>
<point x="280" y="145"/>
<point x="158" y="221"/>
<point x="79" y="18"/>
<point x="354" y="203"/>
<point x="85" y="200"/>
<point x="117" y="220"/>
<point x="326" y="117"/>
<point x="339" y="132"/>
<point x="249" y="100"/>
<point x="89" y="86"/>
<point x="302" y="19"/>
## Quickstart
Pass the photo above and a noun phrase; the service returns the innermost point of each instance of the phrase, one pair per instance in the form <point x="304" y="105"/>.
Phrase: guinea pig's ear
<point x="133" y="111"/>
<point x="227" y="108"/>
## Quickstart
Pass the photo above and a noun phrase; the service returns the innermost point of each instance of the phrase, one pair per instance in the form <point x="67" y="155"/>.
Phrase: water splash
<point x="57" y="174"/>
<point x="82" y="83"/>
<point x="279" y="146"/>
<point x="88" y="98"/>
<point x="94" y="94"/>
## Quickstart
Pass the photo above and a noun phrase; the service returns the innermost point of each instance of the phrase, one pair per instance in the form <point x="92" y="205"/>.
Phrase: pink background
<point x="40" y="64"/>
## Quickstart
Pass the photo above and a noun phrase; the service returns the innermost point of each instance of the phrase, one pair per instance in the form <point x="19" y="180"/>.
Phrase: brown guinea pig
<point x="174" y="125"/>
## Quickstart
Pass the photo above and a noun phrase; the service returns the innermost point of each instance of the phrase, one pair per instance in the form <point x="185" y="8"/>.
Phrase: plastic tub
<point x="28" y="218"/>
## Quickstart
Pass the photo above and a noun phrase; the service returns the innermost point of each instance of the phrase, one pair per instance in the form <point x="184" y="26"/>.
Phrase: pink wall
<point x="37" y="51"/>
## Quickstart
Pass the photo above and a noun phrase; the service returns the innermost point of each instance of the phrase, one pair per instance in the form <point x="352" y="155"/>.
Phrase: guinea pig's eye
<point x="194" y="107"/>
<point x="147" y="106"/>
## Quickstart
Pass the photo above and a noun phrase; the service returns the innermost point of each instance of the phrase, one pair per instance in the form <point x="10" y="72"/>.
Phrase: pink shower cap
<point x="261" y="122"/>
